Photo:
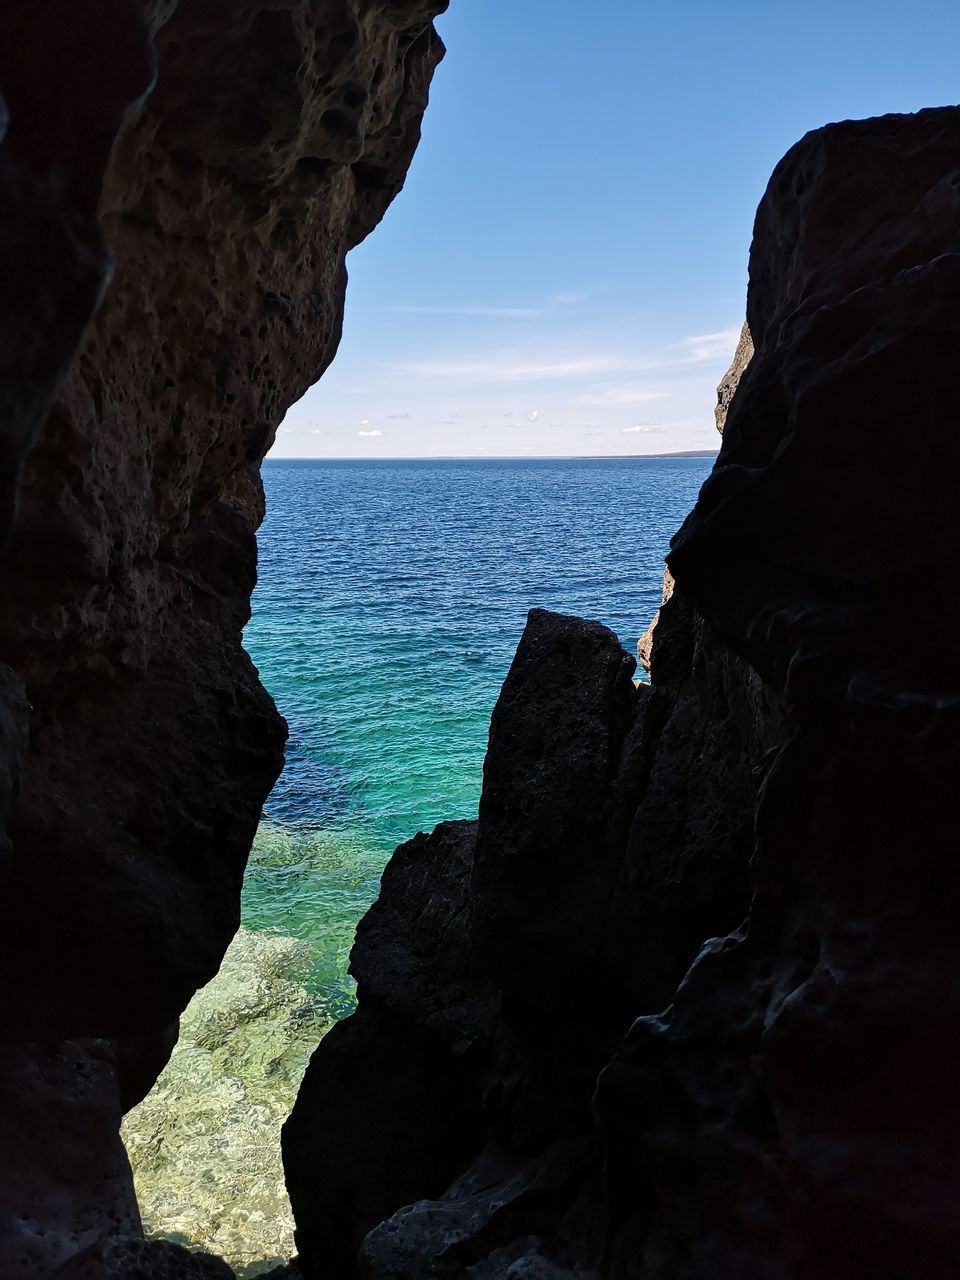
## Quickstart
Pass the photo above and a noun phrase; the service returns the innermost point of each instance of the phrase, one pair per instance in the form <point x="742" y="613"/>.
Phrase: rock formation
<point x="731" y="379"/>
<point x="136" y="743"/>
<point x="728" y="385"/>
<point x="681" y="1004"/>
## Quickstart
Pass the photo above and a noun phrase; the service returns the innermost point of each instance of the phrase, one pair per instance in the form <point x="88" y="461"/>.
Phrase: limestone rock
<point x="803" y="1076"/>
<point x="273" y="140"/>
<point x="66" y="85"/>
<point x="144" y="1260"/>
<point x="731" y="379"/>
<point x="63" y="1170"/>
<point x="360" y="1141"/>
<point x="492" y="972"/>
<point x="542" y="867"/>
<point x="725" y="391"/>
<point x="645" y="643"/>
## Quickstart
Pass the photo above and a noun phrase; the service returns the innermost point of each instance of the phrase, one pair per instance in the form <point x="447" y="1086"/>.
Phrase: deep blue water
<point x="390" y="602"/>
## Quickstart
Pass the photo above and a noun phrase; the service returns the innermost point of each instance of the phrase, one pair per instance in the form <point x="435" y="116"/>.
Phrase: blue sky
<point x="564" y="272"/>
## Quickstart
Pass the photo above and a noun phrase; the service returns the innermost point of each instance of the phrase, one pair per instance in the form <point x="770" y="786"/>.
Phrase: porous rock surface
<point x="682" y="1005"/>
<point x="136" y="743"/>
<point x="731" y="379"/>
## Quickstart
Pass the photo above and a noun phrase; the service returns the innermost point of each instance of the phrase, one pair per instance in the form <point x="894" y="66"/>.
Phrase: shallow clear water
<point x="390" y="602"/>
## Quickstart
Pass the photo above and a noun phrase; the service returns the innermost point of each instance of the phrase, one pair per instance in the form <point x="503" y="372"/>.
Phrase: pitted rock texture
<point x="59" y="115"/>
<point x="143" y="1260"/>
<point x="64" y="1173"/>
<point x="645" y="643"/>
<point x="753" y="1071"/>
<point x="731" y="379"/>
<point x="274" y="139"/>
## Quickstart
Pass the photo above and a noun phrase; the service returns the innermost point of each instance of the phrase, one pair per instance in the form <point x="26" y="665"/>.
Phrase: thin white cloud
<point x="399" y="417"/>
<point x="497" y="313"/>
<point x="533" y="415"/>
<point x="711" y="346"/>
<point x="647" y="426"/>
<point x="623" y="393"/>
<point x="364" y="422"/>
<point x="370" y="433"/>
<point x="509" y="369"/>
<point x="567" y="299"/>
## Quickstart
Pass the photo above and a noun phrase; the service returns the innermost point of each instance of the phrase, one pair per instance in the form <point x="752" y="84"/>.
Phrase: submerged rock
<point x="205" y="1143"/>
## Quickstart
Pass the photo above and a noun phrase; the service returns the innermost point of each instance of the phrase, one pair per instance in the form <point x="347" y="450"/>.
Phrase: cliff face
<point x="137" y="744"/>
<point x="680" y="1003"/>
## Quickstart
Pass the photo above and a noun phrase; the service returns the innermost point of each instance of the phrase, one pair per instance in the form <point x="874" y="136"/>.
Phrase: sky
<point x="564" y="272"/>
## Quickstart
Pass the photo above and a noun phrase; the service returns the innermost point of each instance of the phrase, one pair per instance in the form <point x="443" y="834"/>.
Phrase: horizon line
<point x="496" y="457"/>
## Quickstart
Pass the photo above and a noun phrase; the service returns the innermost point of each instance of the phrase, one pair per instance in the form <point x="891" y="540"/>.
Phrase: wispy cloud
<point x="568" y="298"/>
<point x="399" y="417"/>
<point x="646" y="426"/>
<point x="496" y="313"/>
<point x="510" y="368"/>
<point x="623" y="393"/>
<point x="711" y="346"/>
<point x="370" y="433"/>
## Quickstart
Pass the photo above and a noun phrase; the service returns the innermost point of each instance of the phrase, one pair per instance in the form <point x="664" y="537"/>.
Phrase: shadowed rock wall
<point x="137" y="745"/>
<point x="682" y="1003"/>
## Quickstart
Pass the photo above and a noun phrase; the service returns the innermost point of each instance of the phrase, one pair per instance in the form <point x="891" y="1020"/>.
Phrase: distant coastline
<point x="623" y="457"/>
<point x="509" y="457"/>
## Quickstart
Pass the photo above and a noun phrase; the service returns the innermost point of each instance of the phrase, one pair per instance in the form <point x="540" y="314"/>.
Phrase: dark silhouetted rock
<point x="504" y="960"/>
<point x="273" y="140"/>
<point x="144" y="1260"/>
<point x="544" y="861"/>
<point x="795" y="1106"/>
<point x="63" y="1170"/>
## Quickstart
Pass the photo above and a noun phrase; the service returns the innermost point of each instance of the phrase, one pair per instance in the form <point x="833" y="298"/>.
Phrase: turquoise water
<point x="390" y="602"/>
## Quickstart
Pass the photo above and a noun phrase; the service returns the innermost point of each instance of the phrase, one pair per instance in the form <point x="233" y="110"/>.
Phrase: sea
<point x="390" y="600"/>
